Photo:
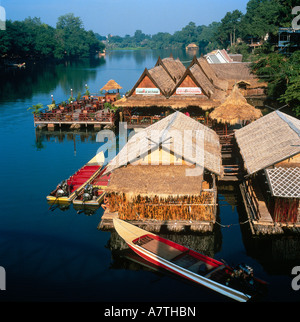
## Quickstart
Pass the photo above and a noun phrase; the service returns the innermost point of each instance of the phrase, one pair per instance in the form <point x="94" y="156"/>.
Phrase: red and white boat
<point x="236" y="283"/>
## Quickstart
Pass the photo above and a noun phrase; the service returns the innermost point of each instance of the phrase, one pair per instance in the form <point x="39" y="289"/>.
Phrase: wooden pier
<point x="230" y="159"/>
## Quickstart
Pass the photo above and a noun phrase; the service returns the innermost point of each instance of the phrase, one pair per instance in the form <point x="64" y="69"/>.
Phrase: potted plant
<point x="36" y="109"/>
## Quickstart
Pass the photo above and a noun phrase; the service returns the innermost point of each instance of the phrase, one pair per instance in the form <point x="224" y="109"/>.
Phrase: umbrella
<point x="110" y="85"/>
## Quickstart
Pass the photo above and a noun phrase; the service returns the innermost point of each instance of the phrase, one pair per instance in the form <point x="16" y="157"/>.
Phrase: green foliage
<point x="229" y="28"/>
<point x="36" y="109"/>
<point x="87" y="92"/>
<point x="200" y="35"/>
<point x="283" y="77"/>
<point x="110" y="107"/>
<point x="34" y="39"/>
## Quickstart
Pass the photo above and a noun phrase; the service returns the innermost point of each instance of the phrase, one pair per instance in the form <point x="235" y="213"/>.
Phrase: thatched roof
<point x="175" y="102"/>
<point x="269" y="140"/>
<point x="218" y="82"/>
<point x="162" y="78"/>
<point x="176" y="133"/>
<point x="236" y="71"/>
<point x="206" y="85"/>
<point x="173" y="67"/>
<point x="159" y="77"/>
<point x="154" y="180"/>
<point x="110" y="85"/>
<point x="196" y="74"/>
<point x="235" y="109"/>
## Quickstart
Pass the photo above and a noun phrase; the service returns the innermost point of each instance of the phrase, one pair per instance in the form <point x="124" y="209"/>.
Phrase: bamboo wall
<point x="196" y="208"/>
<point x="286" y="210"/>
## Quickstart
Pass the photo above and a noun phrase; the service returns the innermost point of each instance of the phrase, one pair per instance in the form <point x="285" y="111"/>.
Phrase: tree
<point x="262" y="17"/>
<point x="283" y="77"/>
<point x="229" y="29"/>
<point x="73" y="40"/>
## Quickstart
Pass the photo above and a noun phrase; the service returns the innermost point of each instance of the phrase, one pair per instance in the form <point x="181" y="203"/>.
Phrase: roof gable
<point x="178" y="133"/>
<point x="161" y="81"/>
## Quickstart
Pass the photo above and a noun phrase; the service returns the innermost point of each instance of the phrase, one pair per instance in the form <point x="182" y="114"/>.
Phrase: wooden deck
<point x="232" y="168"/>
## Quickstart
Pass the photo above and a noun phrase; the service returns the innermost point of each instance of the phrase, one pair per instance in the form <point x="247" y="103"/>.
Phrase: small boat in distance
<point x="236" y="283"/>
<point x="68" y="189"/>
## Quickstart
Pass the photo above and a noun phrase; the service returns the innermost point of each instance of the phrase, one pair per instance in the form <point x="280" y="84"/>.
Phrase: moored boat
<point x="236" y="283"/>
<point x="93" y="192"/>
<point x="68" y="189"/>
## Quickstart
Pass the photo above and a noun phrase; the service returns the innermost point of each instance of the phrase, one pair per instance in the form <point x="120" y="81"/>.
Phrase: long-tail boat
<point x="68" y="189"/>
<point x="93" y="192"/>
<point x="236" y="283"/>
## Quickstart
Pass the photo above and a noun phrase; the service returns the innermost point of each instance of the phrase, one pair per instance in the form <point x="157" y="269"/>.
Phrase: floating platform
<point x="151" y="225"/>
<point x="260" y="219"/>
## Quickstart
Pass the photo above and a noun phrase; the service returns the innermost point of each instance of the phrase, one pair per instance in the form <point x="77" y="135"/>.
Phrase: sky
<point x="121" y="17"/>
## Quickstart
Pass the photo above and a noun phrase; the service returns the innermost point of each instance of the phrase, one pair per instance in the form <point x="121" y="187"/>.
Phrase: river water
<point x="55" y="255"/>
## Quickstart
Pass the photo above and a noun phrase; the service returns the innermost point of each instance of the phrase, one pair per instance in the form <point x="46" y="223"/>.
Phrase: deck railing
<point x="150" y="119"/>
<point x="65" y="117"/>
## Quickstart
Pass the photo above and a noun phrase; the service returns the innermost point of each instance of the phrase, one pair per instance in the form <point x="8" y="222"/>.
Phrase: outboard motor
<point x="88" y="193"/>
<point x="62" y="189"/>
<point x="242" y="275"/>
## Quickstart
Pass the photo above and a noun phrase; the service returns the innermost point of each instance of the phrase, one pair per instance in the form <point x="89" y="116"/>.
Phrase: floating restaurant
<point x="84" y="111"/>
<point x="270" y="148"/>
<point x="197" y="89"/>
<point x="158" y="178"/>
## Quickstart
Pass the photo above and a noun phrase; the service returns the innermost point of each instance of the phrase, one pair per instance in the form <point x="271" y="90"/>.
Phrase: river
<point x="55" y="255"/>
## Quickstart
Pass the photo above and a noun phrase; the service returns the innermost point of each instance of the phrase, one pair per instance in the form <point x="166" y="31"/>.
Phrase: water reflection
<point x="26" y="82"/>
<point x="84" y="136"/>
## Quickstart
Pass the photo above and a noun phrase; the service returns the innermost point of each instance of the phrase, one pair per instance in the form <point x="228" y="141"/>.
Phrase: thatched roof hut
<point x="167" y="172"/>
<point x="155" y="81"/>
<point x="235" y="110"/>
<point x="271" y="139"/>
<point x="111" y="85"/>
<point x="187" y="141"/>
